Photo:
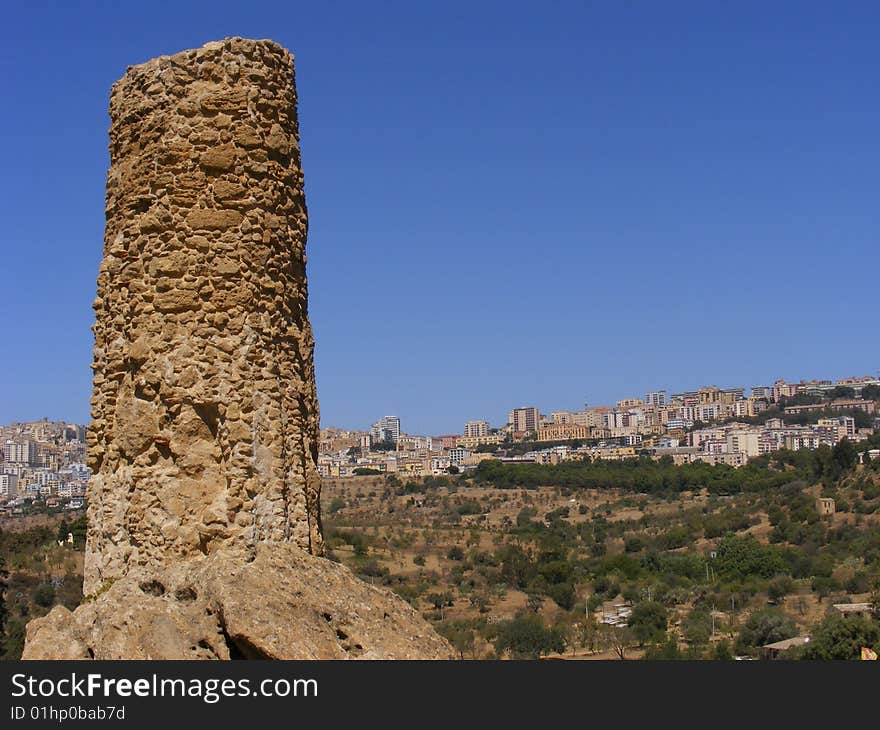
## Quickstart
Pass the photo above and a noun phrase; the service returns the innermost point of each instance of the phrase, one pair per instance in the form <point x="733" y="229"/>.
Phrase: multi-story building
<point x="458" y="455"/>
<point x="735" y="459"/>
<point x="815" y="387"/>
<point x="562" y="432"/>
<point x="707" y="412"/>
<point x="781" y="389"/>
<point x="8" y="486"/>
<point x="447" y="441"/>
<point x="679" y="424"/>
<point x="868" y="406"/>
<point x="630" y="403"/>
<point x="842" y="426"/>
<point x="476" y="428"/>
<point x="387" y="429"/>
<point x="471" y="442"/>
<point x="609" y="453"/>
<point x="686" y="398"/>
<point x="858" y="383"/>
<point x="745" y="441"/>
<point x="714" y="394"/>
<point x="802" y="440"/>
<point x="24" y="451"/>
<point x="656" y="398"/>
<point x="562" y="417"/>
<point x="440" y="464"/>
<point x="525" y="419"/>
<point x="414" y="443"/>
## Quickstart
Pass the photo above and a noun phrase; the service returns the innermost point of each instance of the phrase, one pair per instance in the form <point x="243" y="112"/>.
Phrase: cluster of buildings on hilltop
<point x="689" y="426"/>
<point x="47" y="459"/>
<point x="735" y="443"/>
<point x="42" y="460"/>
<point x="657" y="413"/>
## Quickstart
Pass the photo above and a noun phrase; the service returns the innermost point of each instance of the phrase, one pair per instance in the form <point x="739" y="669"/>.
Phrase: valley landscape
<point x="504" y="567"/>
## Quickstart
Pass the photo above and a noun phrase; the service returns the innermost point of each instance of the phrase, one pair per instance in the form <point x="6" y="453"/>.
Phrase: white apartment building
<point x="744" y="441"/>
<point x="474" y="429"/>
<point x="21" y="452"/>
<point x="387" y="429"/>
<point x="458" y="455"/>
<point x="843" y="425"/>
<point x="8" y="486"/>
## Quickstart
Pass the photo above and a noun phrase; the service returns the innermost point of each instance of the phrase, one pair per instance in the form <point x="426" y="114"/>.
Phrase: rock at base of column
<point x="281" y="604"/>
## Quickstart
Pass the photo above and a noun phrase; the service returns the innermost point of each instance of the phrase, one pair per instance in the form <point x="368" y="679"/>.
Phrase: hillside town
<point x="713" y="425"/>
<point x="44" y="461"/>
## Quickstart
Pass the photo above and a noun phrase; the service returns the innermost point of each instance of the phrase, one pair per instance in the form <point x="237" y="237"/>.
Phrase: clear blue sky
<point x="510" y="203"/>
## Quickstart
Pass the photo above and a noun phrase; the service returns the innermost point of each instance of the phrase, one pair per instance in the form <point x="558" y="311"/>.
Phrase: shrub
<point x="44" y="595"/>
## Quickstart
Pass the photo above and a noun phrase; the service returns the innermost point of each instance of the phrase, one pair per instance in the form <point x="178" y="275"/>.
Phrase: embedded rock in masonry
<point x="204" y="413"/>
<point x="283" y="604"/>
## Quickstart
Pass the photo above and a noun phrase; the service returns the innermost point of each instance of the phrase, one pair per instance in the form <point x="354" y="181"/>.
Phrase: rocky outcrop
<point x="204" y="530"/>
<point x="204" y="412"/>
<point x="282" y="604"/>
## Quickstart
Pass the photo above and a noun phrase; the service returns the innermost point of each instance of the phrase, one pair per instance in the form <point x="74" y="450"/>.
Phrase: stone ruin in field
<point x="204" y="415"/>
<point x="204" y="529"/>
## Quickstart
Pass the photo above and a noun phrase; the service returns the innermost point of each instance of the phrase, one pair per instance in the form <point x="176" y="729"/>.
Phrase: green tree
<point x="839" y="637"/>
<point x="63" y="531"/>
<point x="517" y="568"/>
<point x="336" y="504"/>
<point x="13" y="641"/>
<point x="460" y="634"/>
<point x="765" y="627"/>
<point x="78" y="529"/>
<point x="526" y="637"/>
<point x="524" y="517"/>
<point x="722" y="651"/>
<point x="744" y="557"/>
<point x="648" y="622"/>
<point x="588" y="634"/>
<point x="563" y="594"/>
<point x="844" y="457"/>
<point x="842" y="391"/>
<point x="779" y="588"/>
<point x="664" y="650"/>
<point x="698" y="627"/>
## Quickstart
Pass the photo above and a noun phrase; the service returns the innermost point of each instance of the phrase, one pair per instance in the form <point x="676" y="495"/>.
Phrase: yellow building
<point x="630" y="403"/>
<point x="613" y="453"/>
<point x="412" y="468"/>
<point x="714" y="394"/>
<point x="470" y="442"/>
<point x="562" y="432"/>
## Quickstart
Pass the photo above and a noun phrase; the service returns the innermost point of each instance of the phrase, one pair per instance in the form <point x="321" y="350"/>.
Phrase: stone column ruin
<point x="204" y="412"/>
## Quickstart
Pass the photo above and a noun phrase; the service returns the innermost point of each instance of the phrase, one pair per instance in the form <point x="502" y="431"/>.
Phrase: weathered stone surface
<point x="204" y="530"/>
<point x="218" y="158"/>
<point x="283" y="604"/>
<point x="212" y="219"/>
<point x="204" y="391"/>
